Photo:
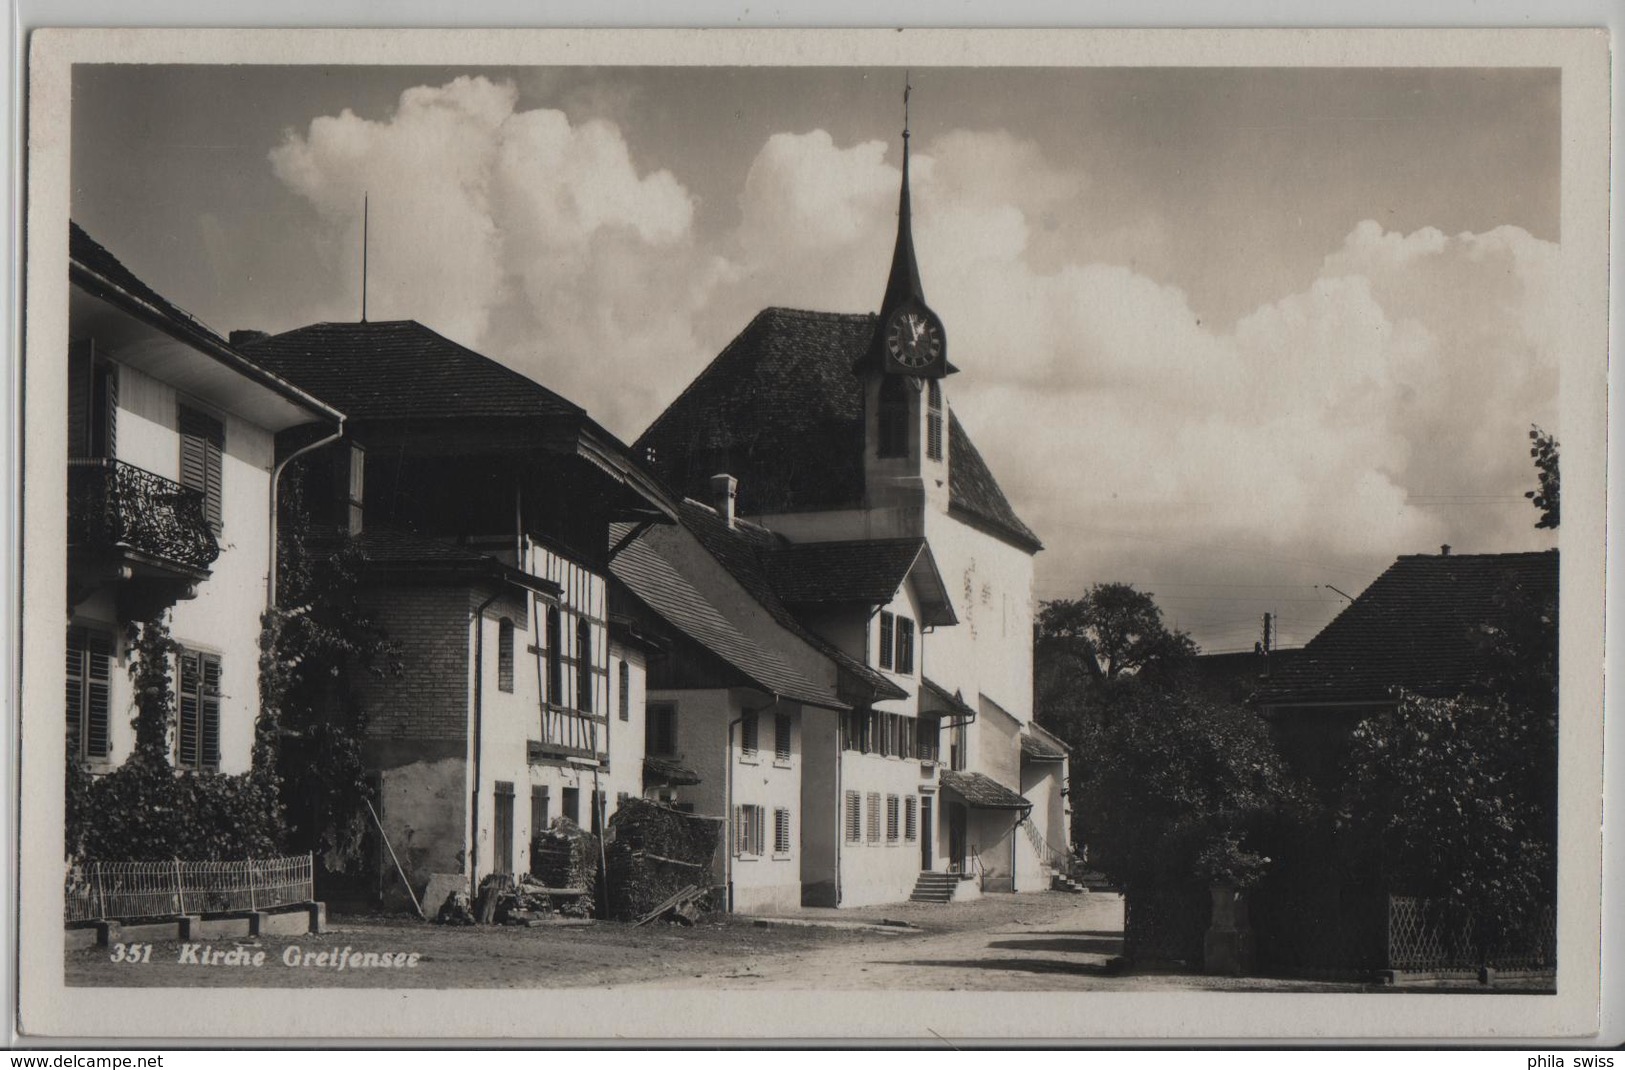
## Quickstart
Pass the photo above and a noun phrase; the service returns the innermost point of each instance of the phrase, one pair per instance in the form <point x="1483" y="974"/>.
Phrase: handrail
<point x="1048" y="853"/>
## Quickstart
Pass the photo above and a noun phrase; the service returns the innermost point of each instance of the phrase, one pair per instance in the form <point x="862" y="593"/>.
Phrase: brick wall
<point x="430" y="700"/>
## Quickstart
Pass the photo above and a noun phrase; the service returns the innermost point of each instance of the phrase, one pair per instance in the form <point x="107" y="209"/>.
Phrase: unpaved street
<point x="1049" y="941"/>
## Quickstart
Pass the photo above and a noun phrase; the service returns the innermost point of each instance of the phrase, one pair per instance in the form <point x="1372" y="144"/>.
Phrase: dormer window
<point x="893" y="418"/>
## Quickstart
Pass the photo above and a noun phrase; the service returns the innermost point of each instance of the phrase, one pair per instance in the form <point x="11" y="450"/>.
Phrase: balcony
<point x="127" y="526"/>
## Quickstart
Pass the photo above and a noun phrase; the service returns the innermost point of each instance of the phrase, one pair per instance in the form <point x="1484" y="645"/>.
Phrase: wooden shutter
<point x="583" y="665"/>
<point x="887" y="627"/>
<point x="747" y="734"/>
<point x="781" y="831"/>
<point x="933" y="422"/>
<point x="104" y="412"/>
<point x="739" y="831"/>
<point x="625" y="681"/>
<point x="504" y="655"/>
<point x="75" y="678"/>
<point x="854" y="818"/>
<point x="781" y="737"/>
<point x="905" y="645"/>
<point x="874" y="817"/>
<point x="203" y="441"/>
<point x="80" y="384"/>
<point x="188" y="733"/>
<point x="209" y="710"/>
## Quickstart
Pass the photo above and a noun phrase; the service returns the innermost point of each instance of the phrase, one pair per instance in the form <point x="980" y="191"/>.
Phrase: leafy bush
<point x="146" y="810"/>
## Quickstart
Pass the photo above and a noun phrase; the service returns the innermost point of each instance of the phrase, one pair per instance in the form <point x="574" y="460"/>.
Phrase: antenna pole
<point x="364" y="257"/>
<point x="906" y="90"/>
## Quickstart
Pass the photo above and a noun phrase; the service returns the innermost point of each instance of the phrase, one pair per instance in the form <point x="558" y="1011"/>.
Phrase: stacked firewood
<point x="659" y="860"/>
<point x="565" y="857"/>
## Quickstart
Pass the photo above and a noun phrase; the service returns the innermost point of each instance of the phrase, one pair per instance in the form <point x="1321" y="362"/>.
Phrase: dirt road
<point x="1050" y="941"/>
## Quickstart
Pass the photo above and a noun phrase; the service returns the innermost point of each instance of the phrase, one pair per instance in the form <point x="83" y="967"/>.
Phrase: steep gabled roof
<point x="741" y="550"/>
<point x="781" y="408"/>
<point x="1420" y="626"/>
<point x="663" y="587"/>
<point x="402" y="370"/>
<point x="88" y="255"/>
<point x="860" y="572"/>
<point x="975" y="496"/>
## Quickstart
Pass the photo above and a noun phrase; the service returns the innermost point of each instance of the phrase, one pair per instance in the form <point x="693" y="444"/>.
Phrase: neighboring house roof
<point x="1040" y="746"/>
<point x="1419" y="626"/>
<point x="394" y="552"/>
<point x="741" y="549"/>
<point x="402" y="370"/>
<point x="96" y="270"/>
<point x="983" y="792"/>
<point x="781" y="408"/>
<point x="859" y="571"/>
<point x="947" y="701"/>
<point x="671" y="595"/>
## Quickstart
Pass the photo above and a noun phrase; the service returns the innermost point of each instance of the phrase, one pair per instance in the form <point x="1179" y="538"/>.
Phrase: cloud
<point x="517" y="232"/>
<point x="1380" y="409"/>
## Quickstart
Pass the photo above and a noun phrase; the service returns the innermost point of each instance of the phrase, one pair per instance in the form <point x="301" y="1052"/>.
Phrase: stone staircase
<point x="1061" y="882"/>
<point x="934" y="887"/>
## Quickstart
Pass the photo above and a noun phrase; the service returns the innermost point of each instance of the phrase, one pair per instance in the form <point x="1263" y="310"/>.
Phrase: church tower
<point x="905" y="414"/>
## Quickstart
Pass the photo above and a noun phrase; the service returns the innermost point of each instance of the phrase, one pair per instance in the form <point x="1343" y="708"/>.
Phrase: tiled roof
<point x="1041" y="750"/>
<point x="781" y="408"/>
<point x="741" y="550"/>
<point x="951" y="703"/>
<point x="974" y="494"/>
<point x="1418" y="626"/>
<point x="90" y="255"/>
<point x="668" y="592"/>
<point x="862" y="570"/>
<point x="403" y="370"/>
<point x="982" y="791"/>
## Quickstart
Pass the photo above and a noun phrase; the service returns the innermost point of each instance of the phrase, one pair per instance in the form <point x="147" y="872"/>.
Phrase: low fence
<point x="125" y="890"/>
<point x="1425" y="936"/>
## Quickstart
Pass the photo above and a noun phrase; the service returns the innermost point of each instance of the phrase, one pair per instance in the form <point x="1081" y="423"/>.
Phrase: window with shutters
<point x="893" y="418"/>
<point x="505" y="655"/>
<point x="854" y="817"/>
<point x="911" y="820"/>
<point x="781" y="833"/>
<point x="749" y="831"/>
<point x="888" y="626"/>
<point x="933" y="421"/>
<point x="905" y="647"/>
<point x="748" y="728"/>
<point x="89" y="694"/>
<point x="203" y="446"/>
<point x="197" y="735"/>
<point x="584" y="665"/>
<point x="781" y="738"/>
<point x="893" y="810"/>
<point x="555" y="657"/>
<point x="624" y="682"/>
<point x="660" y="730"/>
<point x="874" y="817"/>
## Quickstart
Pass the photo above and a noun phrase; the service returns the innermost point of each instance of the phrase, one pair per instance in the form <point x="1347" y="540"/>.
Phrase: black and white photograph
<point x="900" y="526"/>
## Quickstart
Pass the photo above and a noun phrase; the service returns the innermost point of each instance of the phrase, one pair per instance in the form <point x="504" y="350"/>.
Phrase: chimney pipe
<point x="1444" y="551"/>
<point x="246" y="337"/>
<point x="724" y="491"/>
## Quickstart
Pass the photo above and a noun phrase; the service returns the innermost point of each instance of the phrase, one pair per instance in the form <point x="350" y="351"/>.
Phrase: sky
<point x="1239" y="337"/>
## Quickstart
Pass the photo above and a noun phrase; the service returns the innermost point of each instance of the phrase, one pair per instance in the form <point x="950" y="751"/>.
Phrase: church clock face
<point x="913" y="339"/>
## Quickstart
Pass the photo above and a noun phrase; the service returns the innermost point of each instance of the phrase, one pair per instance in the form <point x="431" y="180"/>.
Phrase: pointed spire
<point x="904" y="282"/>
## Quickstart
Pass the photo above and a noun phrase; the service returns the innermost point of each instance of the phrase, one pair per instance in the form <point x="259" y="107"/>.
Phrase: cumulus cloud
<point x="1381" y="409"/>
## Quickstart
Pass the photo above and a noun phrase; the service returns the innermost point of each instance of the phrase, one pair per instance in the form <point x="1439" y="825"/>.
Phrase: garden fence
<point x="123" y="890"/>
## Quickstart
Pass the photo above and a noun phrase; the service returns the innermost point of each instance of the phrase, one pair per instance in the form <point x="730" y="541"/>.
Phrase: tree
<point x="318" y="642"/>
<point x="1113" y="631"/>
<point x="1547" y="497"/>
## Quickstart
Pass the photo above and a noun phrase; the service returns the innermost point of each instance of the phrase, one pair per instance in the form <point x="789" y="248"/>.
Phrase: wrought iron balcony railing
<point x="113" y="505"/>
